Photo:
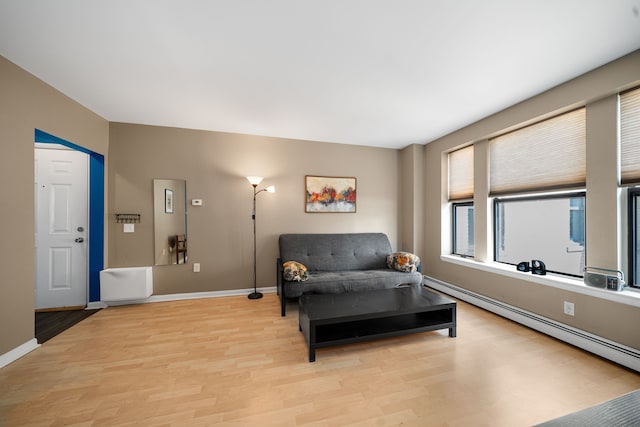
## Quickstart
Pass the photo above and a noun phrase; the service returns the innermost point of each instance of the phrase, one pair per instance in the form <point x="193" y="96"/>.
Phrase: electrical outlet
<point x="569" y="308"/>
<point x="196" y="267"/>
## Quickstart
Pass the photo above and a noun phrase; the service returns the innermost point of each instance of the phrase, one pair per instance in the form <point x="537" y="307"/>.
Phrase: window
<point x="545" y="156"/>
<point x="630" y="171"/>
<point x="463" y="229"/>
<point x="630" y="174"/>
<point x="460" y="188"/>
<point x="548" y="228"/>
<point x="634" y="239"/>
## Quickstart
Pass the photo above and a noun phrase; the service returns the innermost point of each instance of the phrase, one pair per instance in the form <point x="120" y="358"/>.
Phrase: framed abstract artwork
<point x="330" y="194"/>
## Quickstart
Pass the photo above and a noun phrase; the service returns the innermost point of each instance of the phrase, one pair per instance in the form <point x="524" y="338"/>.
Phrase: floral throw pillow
<point x="295" y="271"/>
<point x="403" y="261"/>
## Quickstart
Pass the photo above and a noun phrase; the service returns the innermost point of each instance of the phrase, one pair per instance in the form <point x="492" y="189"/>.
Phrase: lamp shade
<point x="254" y="180"/>
<point x="271" y="189"/>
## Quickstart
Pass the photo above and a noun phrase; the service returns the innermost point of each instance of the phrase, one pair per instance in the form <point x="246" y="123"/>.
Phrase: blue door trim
<point x="96" y="209"/>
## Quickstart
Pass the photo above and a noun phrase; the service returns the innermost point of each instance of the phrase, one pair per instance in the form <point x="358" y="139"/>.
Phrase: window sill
<point x="629" y="297"/>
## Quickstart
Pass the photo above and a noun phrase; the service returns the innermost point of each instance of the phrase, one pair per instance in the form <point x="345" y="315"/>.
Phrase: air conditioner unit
<point x="604" y="278"/>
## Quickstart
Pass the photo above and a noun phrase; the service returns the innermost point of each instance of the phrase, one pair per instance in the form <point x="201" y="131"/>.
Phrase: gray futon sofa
<point x="336" y="263"/>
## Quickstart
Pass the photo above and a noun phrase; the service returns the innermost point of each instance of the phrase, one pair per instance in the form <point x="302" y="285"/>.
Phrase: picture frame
<point x="168" y="201"/>
<point x="330" y="194"/>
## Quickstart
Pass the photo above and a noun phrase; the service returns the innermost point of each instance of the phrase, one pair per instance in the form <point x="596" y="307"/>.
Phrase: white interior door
<point x="61" y="228"/>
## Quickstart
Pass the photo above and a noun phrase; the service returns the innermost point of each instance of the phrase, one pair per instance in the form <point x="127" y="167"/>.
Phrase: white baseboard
<point x="18" y="352"/>
<point x="185" y="296"/>
<point x="616" y="352"/>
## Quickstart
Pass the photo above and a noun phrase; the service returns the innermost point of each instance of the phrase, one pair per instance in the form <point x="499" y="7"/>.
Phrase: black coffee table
<point x="336" y="319"/>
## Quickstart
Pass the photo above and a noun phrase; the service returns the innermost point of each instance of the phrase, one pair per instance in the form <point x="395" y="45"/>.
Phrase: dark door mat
<point x="51" y="323"/>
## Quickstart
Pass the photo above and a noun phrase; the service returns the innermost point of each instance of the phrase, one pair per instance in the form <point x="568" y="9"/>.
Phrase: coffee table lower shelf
<point x="327" y="321"/>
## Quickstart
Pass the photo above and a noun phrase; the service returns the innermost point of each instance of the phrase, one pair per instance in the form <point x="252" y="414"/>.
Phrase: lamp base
<point x="254" y="295"/>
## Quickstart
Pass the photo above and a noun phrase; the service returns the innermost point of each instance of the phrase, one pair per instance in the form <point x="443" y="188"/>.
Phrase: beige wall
<point x="597" y="90"/>
<point x="27" y="103"/>
<point x="220" y="233"/>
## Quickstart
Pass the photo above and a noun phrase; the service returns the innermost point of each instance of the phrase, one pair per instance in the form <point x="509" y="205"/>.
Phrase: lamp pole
<point x="254" y="181"/>
<point x="255" y="294"/>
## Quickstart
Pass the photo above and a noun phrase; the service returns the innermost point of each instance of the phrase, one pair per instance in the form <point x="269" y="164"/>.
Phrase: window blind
<point x="548" y="155"/>
<point x="630" y="136"/>
<point x="461" y="173"/>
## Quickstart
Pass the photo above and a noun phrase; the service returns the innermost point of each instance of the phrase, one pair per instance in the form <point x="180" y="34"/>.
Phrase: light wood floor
<point x="235" y="362"/>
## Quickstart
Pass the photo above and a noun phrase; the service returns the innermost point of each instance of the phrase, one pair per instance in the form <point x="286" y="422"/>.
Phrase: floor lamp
<point x="254" y="181"/>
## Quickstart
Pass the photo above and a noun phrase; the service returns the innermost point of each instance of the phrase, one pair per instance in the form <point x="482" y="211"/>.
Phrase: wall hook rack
<point x="128" y="218"/>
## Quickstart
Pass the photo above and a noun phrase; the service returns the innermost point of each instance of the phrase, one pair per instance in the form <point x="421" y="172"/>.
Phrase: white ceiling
<point x="385" y="73"/>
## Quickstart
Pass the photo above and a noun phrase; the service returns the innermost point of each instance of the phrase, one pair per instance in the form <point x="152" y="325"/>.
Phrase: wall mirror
<point x="170" y="221"/>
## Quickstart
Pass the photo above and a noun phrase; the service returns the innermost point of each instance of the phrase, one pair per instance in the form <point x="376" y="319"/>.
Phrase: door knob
<point x="79" y="240"/>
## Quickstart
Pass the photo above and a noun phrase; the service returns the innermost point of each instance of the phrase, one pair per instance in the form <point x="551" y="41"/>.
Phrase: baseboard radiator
<point x="621" y="354"/>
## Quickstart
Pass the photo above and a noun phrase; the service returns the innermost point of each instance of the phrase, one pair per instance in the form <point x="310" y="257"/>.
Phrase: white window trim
<point x="627" y="296"/>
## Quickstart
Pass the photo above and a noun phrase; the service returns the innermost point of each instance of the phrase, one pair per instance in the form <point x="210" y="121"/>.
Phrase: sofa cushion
<point x="403" y="261"/>
<point x="294" y="271"/>
<point x="330" y="282"/>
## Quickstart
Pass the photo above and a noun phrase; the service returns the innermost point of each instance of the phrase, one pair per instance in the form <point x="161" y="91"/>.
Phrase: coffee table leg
<point x="311" y="341"/>
<point x="452" y="331"/>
